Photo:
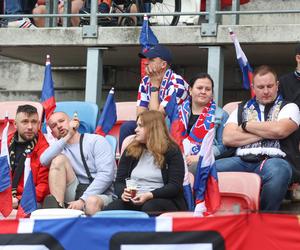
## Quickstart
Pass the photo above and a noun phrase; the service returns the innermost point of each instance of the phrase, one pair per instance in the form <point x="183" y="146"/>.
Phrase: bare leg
<point x="76" y="6"/>
<point x="93" y="204"/>
<point x="60" y="175"/>
<point x="39" y="21"/>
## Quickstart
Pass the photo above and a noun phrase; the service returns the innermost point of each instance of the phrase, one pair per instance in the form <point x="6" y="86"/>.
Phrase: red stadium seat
<point x="239" y="188"/>
<point x="126" y="111"/>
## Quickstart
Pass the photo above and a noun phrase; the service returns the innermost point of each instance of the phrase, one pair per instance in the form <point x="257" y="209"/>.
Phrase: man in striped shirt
<point x="157" y="87"/>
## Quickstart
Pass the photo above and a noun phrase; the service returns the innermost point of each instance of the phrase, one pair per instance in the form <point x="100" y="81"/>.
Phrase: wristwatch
<point x="154" y="89"/>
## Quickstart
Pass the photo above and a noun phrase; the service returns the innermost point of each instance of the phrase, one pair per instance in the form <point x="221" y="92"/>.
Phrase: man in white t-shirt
<point x="262" y="130"/>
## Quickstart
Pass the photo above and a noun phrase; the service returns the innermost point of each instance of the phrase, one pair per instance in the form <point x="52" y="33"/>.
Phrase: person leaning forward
<point x="84" y="188"/>
<point x="262" y="130"/>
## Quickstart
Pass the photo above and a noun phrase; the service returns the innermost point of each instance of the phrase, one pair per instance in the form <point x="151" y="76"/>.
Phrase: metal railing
<point x="207" y="29"/>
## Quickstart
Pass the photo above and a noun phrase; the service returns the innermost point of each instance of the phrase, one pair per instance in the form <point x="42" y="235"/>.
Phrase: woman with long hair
<point x="154" y="161"/>
<point x="199" y="113"/>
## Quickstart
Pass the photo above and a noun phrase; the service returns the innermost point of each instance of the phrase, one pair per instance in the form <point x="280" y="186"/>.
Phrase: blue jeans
<point x="18" y="7"/>
<point x="126" y="129"/>
<point x="276" y="175"/>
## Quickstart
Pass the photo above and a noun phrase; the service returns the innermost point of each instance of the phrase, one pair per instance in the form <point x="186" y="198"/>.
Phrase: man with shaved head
<point x="68" y="176"/>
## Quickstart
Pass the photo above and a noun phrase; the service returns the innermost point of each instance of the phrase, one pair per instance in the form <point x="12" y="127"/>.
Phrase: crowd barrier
<point x="247" y="231"/>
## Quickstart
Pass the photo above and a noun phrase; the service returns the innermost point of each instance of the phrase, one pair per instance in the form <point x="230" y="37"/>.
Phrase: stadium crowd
<point x="78" y="171"/>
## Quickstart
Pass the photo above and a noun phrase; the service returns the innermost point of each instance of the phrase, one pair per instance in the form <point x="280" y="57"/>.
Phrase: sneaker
<point x="51" y="202"/>
<point x="23" y="23"/>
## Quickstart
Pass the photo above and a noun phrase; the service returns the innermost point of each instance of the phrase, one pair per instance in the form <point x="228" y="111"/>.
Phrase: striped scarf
<point x="193" y="141"/>
<point x="252" y="112"/>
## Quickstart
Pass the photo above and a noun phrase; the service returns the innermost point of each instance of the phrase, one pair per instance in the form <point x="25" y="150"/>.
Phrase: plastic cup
<point x="131" y="185"/>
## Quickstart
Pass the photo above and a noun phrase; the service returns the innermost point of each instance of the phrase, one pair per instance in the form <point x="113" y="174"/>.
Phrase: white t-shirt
<point x="290" y="111"/>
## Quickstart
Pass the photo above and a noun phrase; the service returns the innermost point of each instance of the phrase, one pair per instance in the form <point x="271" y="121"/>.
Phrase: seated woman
<point x="156" y="163"/>
<point x="198" y="114"/>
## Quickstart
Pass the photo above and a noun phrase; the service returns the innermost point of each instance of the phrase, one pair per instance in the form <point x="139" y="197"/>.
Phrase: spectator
<point x="82" y="179"/>
<point x="27" y="140"/>
<point x="76" y="5"/>
<point x="156" y="163"/>
<point x="262" y="130"/>
<point x="289" y="87"/>
<point x="156" y="87"/>
<point x="15" y="7"/>
<point x="197" y="110"/>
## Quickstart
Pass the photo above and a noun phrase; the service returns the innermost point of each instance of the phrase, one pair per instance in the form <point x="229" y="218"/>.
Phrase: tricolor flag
<point x="28" y="201"/>
<point x="243" y="62"/>
<point x="206" y="189"/>
<point x="108" y="116"/>
<point x="147" y="40"/>
<point x="48" y="99"/>
<point x="5" y="178"/>
<point x="176" y="131"/>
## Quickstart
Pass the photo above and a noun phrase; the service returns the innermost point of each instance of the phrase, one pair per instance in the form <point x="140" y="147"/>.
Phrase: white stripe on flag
<point x="164" y="224"/>
<point x="191" y="246"/>
<point x="25" y="226"/>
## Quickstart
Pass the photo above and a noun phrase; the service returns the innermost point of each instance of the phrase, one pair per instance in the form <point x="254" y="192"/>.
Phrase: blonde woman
<point x="156" y="164"/>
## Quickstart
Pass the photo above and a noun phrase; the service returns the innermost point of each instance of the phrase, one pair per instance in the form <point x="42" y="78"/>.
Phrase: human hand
<point x="191" y="159"/>
<point x="79" y="204"/>
<point x="155" y="74"/>
<point x="74" y="125"/>
<point x="140" y="199"/>
<point x="15" y="202"/>
<point x="126" y="196"/>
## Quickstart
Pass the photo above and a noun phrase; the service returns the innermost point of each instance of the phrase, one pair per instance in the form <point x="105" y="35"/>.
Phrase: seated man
<point x="82" y="179"/>
<point x="262" y="130"/>
<point x="156" y="87"/>
<point x="27" y="140"/>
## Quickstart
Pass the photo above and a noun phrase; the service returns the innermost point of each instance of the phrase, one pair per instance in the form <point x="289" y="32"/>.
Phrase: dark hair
<point x="28" y="109"/>
<point x="297" y="50"/>
<point x="201" y="76"/>
<point x="263" y="70"/>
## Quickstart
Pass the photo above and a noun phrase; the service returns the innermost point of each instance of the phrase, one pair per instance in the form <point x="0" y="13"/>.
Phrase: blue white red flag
<point x="206" y="189"/>
<point x="28" y="201"/>
<point x="243" y="63"/>
<point x="5" y="178"/>
<point x="108" y="116"/>
<point x="48" y="99"/>
<point x="147" y="40"/>
<point x="176" y="131"/>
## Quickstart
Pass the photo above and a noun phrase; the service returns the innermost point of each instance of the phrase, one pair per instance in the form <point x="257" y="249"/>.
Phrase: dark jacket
<point x="172" y="174"/>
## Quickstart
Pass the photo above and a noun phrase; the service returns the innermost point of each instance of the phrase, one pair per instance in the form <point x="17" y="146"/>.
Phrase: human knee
<point x="279" y="170"/>
<point x="59" y="162"/>
<point x="149" y="206"/>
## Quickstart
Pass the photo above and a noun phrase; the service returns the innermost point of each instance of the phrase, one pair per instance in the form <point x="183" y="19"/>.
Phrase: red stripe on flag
<point x="49" y="106"/>
<point x="9" y="226"/>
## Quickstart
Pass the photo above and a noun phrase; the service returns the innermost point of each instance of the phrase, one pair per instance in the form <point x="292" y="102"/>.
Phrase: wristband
<point x="154" y="89"/>
<point x="243" y="126"/>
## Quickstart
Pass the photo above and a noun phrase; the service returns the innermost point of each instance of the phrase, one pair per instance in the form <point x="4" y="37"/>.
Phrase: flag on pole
<point x="5" y="178"/>
<point x="28" y="201"/>
<point x="48" y="99"/>
<point x="206" y="189"/>
<point x="147" y="40"/>
<point x="108" y="116"/>
<point x="243" y="63"/>
<point x="176" y="131"/>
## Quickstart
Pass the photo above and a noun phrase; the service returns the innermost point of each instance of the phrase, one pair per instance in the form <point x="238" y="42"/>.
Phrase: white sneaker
<point x="24" y="23"/>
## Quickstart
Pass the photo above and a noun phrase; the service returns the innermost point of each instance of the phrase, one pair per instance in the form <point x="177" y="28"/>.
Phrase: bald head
<point x="59" y="124"/>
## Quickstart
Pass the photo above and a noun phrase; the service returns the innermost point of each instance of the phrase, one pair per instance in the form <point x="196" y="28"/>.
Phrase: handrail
<point x="242" y="12"/>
